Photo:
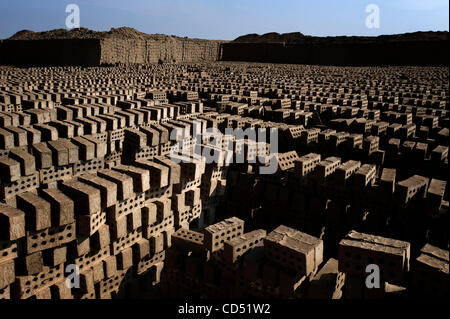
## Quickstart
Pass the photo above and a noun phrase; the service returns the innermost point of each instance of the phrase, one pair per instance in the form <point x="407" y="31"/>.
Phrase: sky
<point x="228" y="19"/>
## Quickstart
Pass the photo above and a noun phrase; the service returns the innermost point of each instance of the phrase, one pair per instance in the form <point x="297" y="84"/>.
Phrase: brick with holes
<point x="294" y="250"/>
<point x="238" y="246"/>
<point x="358" y="250"/>
<point x="217" y="234"/>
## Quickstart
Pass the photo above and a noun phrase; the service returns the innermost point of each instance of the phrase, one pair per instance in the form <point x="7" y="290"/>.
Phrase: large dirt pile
<point x="91" y="48"/>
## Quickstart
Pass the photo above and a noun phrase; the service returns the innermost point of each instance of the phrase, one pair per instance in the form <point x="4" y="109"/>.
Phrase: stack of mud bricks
<point x="352" y="155"/>
<point x="225" y="261"/>
<point x="362" y="255"/>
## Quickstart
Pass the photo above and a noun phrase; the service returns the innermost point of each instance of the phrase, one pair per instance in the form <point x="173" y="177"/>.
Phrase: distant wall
<point x="94" y="52"/>
<point x="427" y="53"/>
<point x="153" y="51"/>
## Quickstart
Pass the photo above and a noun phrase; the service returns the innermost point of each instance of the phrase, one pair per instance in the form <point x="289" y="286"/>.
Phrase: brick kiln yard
<point x="87" y="179"/>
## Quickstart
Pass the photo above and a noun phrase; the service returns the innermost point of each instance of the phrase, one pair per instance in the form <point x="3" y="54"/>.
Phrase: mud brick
<point x="43" y="155"/>
<point x="86" y="198"/>
<point x="64" y="113"/>
<point x="236" y="247"/>
<point x="101" y="148"/>
<point x="175" y="169"/>
<point x="439" y="154"/>
<point x="7" y="273"/>
<point x="128" y="116"/>
<point x="163" y="133"/>
<point x="192" y="197"/>
<point x="138" y="116"/>
<point x="141" y="249"/>
<point x="124" y="183"/>
<point x="141" y="177"/>
<point x="126" y="241"/>
<point x="429" y="270"/>
<point x="158" y="227"/>
<point x="327" y="283"/>
<point x="118" y="227"/>
<point x="55" y="256"/>
<point x="387" y="180"/>
<point x="364" y="176"/>
<point x="109" y="266"/>
<point x="8" y="250"/>
<point x="217" y="234"/>
<point x="49" y="238"/>
<point x="346" y="170"/>
<point x="149" y="262"/>
<point x="163" y="208"/>
<point x="5" y="120"/>
<point x="48" y="133"/>
<point x="61" y="291"/>
<point x="436" y="192"/>
<point x="191" y="167"/>
<point x="188" y="240"/>
<point x="9" y="169"/>
<point x="121" y="120"/>
<point x="111" y="286"/>
<point x="87" y="287"/>
<point x="20" y="136"/>
<point x="294" y="250"/>
<point x="149" y="213"/>
<point x="153" y="138"/>
<point x="135" y="138"/>
<point x="73" y="156"/>
<point x="27" y="286"/>
<point x="60" y="153"/>
<point x="357" y="250"/>
<point x="108" y="189"/>
<point x="33" y="135"/>
<point x="38" y="116"/>
<point x="125" y="259"/>
<point x="65" y="130"/>
<point x="87" y="261"/>
<point x="154" y="193"/>
<point x="134" y="219"/>
<point x="5" y="293"/>
<point x="37" y="211"/>
<point x="124" y="207"/>
<point x="33" y="263"/>
<point x="89" y="224"/>
<point x="168" y="237"/>
<point x="54" y="174"/>
<point x="91" y="166"/>
<point x="159" y="174"/>
<point x="101" y="238"/>
<point x="101" y="124"/>
<point x="178" y="202"/>
<point x="110" y="122"/>
<point x="90" y="127"/>
<point x="26" y="160"/>
<point x="6" y="139"/>
<point x="156" y="243"/>
<point x="44" y="293"/>
<point x="158" y="272"/>
<point x="407" y="189"/>
<point x="78" y="128"/>
<point x="79" y="247"/>
<point x="62" y="207"/>
<point x="98" y="272"/>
